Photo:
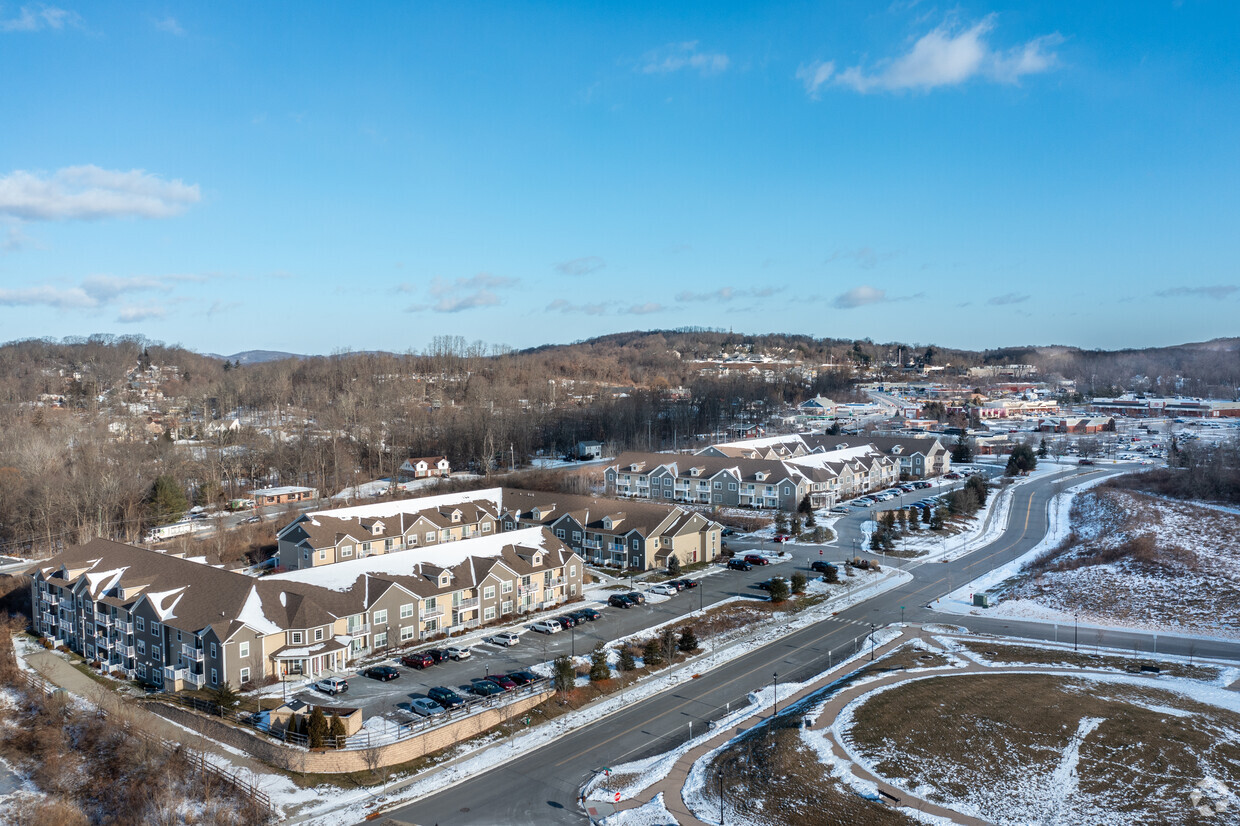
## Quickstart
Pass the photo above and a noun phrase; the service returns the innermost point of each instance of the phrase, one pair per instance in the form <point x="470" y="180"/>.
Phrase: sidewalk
<point x="54" y="669"/>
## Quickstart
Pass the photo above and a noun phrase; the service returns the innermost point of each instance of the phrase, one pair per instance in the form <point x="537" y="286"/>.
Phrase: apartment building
<point x="708" y="480"/>
<point x="176" y="623"/>
<point x="918" y="456"/>
<point x="328" y="537"/>
<point x="641" y="535"/>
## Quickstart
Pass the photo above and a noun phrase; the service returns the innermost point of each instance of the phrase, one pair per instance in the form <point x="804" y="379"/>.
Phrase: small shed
<point x="280" y="716"/>
<point x="981" y="599"/>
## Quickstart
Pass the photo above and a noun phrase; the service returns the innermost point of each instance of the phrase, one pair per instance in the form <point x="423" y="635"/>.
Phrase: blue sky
<point x="314" y="177"/>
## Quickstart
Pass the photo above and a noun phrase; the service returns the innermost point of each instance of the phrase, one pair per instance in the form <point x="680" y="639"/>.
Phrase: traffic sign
<point x="820" y="551"/>
<point x="617" y="797"/>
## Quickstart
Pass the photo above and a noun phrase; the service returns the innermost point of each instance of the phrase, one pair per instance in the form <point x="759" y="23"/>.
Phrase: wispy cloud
<point x="560" y="305"/>
<point x="90" y="193"/>
<point x="135" y="314"/>
<point x="464" y="293"/>
<point x="867" y="258"/>
<point x="60" y="298"/>
<point x="93" y="292"/>
<point x="946" y="56"/>
<point x="15" y="241"/>
<point x="725" y="294"/>
<point x="170" y="25"/>
<point x="1217" y="292"/>
<point x="677" y="56"/>
<point x="38" y="17"/>
<point x="581" y="266"/>
<point x="859" y="297"/>
<point x="220" y="307"/>
<point x="1008" y="298"/>
<point x="643" y="309"/>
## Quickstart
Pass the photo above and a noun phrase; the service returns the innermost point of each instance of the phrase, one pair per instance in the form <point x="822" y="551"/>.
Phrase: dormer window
<point x="456" y="516"/>
<point x="444" y="580"/>
<point x="760" y="476"/>
<point x="695" y="471"/>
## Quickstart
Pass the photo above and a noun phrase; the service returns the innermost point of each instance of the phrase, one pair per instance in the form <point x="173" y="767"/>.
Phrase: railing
<point x="555" y="583"/>
<point x="466" y="604"/>
<point x="359" y="630"/>
<point x="125" y="650"/>
<point x="431" y="613"/>
<point x="171" y="672"/>
<point x="196" y="680"/>
<point x="124" y="627"/>
<point x="49" y="619"/>
<point x="192" y="654"/>
<point x="525" y="589"/>
<point x="103" y="620"/>
<point x="592" y="544"/>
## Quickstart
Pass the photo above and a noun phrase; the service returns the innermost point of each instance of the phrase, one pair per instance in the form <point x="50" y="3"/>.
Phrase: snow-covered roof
<point x="342" y="576"/>
<point x="388" y="509"/>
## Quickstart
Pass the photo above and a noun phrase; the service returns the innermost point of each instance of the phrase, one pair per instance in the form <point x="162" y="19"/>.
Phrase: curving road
<point x="541" y="787"/>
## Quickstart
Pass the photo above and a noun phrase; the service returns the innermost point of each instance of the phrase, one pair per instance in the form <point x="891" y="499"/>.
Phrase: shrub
<point x="778" y="589"/>
<point x="599" y="670"/>
<point x="626" y="661"/>
<point x="652" y="653"/>
<point x="317" y="728"/>
<point x="798" y="583"/>
<point x="673" y="565"/>
<point x="563" y="675"/>
<point x="336" y="730"/>
<point x="688" y="640"/>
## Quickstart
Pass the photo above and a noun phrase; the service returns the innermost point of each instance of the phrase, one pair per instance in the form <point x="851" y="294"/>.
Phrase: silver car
<point x="425" y="707"/>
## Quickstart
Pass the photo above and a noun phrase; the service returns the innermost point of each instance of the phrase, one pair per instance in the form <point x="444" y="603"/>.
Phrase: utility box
<point x="981" y="599"/>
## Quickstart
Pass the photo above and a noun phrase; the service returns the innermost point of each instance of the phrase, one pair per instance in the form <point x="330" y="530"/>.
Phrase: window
<point x="380" y="617"/>
<point x="406" y="610"/>
<point x="322" y="554"/>
<point x="381" y="639"/>
<point x="407" y="633"/>
<point x="141" y="646"/>
<point x="718" y="497"/>
<point x="213" y="651"/>
<point x="346" y="550"/>
<point x="430" y="536"/>
<point x="365" y="547"/>
<point x="430" y="604"/>
<point x="387" y="544"/>
<point x="559" y="532"/>
<point x="154" y="628"/>
<point x="245" y="676"/>
<point x="305" y="554"/>
<point x="142" y="670"/>
<point x="294" y="637"/>
<point x="486" y="527"/>
<point x="489" y="613"/>
<point x="505" y="587"/>
<point x="572" y="590"/>
<point x="719" y="486"/>
<point x="318" y="635"/>
<point x="572" y="570"/>
<point x="636" y="546"/>
<point x="787" y="491"/>
<point x="413" y="539"/>
<point x="215" y="677"/>
<point x="155" y="653"/>
<point x="506" y="608"/>
<point x="731" y="486"/>
<point x="488" y="592"/>
<point x="667" y="494"/>
<point x="243" y="650"/>
<point x="141" y="623"/>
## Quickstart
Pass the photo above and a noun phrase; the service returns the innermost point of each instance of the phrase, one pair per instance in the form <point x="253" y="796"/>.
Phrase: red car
<point x="418" y="660"/>
<point x="503" y="682"/>
<point x="756" y="559"/>
<point x="782" y="537"/>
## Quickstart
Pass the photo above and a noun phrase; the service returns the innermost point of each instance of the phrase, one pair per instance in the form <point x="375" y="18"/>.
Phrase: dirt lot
<point x="1031" y="748"/>
<point x="997" y="653"/>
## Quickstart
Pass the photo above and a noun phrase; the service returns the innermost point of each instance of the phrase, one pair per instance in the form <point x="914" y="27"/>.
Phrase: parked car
<point x="765" y="584"/>
<point x="727" y="532"/>
<point x="567" y="621"/>
<point x="418" y="659"/>
<point x="503" y="681"/>
<point x="923" y="485"/>
<point x="1085" y="461"/>
<point x="333" y="685"/>
<point x="821" y="567"/>
<point x="457" y="652"/>
<point x="505" y="638"/>
<point x="382" y="673"/>
<point x="523" y="677"/>
<point x="665" y="588"/>
<point x="548" y="626"/>
<point x="587" y="614"/>
<point x="782" y="537"/>
<point x="839" y="509"/>
<point x="619" y="601"/>
<point x="425" y="707"/>
<point x="757" y="559"/>
<point x="739" y="565"/>
<point x="690" y="583"/>
<point x="437" y="654"/>
<point x="636" y="598"/>
<point x="484" y="687"/>
<point x="446" y="697"/>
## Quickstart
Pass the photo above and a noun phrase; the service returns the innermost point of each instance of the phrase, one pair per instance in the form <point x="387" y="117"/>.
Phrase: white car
<point x="665" y="589"/>
<point x="505" y="638"/>
<point x="425" y="707"/>
<point x="457" y="652"/>
<point x="546" y="626"/>
<point x="333" y="685"/>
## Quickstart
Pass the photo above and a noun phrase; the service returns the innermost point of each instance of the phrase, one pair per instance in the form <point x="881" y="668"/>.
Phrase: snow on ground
<point x="653" y="813"/>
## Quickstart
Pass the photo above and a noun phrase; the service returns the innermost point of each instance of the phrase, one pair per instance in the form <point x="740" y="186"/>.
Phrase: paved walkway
<point x="54" y="669"/>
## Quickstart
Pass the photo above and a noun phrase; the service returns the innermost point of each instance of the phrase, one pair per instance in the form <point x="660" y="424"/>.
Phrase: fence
<point x="366" y="738"/>
<point x="238" y="783"/>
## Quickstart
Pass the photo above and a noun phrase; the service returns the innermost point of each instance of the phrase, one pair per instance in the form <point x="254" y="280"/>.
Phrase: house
<point x="423" y="467"/>
<point x="589" y="450"/>
<point x="335" y="535"/>
<point x="707" y="480"/>
<point x="819" y="407"/>
<point x="918" y="456"/>
<point x="1078" y="425"/>
<point x="282" y="495"/>
<point x="641" y="535"/>
<point x="175" y="622"/>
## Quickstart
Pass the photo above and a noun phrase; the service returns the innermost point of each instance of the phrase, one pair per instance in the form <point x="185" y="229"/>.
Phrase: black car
<point x="636" y="598"/>
<point x="821" y="567"/>
<point x="682" y="584"/>
<point x="619" y="601"/>
<point x="678" y="584"/>
<point x="567" y="621"/>
<point x="438" y="654"/>
<point x="381" y="672"/>
<point x="446" y="697"/>
<point x="587" y="615"/>
<point x="484" y="687"/>
<point x="523" y="677"/>
<point x="739" y="565"/>
<point x="765" y="584"/>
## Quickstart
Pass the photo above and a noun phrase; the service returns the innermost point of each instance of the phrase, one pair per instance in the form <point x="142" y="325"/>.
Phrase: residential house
<point x="283" y="495"/>
<point x="589" y="450"/>
<point x="423" y="467"/>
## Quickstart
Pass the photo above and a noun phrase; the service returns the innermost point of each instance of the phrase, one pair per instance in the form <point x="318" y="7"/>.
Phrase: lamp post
<point x="871" y="642"/>
<point x="1075" y="618"/>
<point x="776" y="678"/>
<point x="573" y="630"/>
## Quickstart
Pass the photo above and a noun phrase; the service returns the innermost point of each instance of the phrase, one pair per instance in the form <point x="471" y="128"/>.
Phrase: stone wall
<point x="322" y="761"/>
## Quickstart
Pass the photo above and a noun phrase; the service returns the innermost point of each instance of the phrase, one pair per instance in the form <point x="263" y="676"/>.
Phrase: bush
<point x="626" y="661"/>
<point x="337" y="731"/>
<point x="688" y="640"/>
<point x="317" y="728"/>
<point x="831" y="574"/>
<point x="652" y="653"/>
<point x="673" y="565"/>
<point x="599" y="670"/>
<point x="563" y="675"/>
<point x="778" y="589"/>
<point x="798" y="583"/>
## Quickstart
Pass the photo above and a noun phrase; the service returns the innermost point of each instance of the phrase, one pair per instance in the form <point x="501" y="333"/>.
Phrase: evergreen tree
<point x="317" y="728"/>
<point x="914" y="518"/>
<point x="564" y="677"/>
<point x="688" y="640"/>
<point x="167" y="501"/>
<point x="599" y="670"/>
<point x="781" y="522"/>
<point x="1043" y="450"/>
<point x="673" y="565"/>
<point x="626" y="662"/>
<point x="796" y="526"/>
<point x="927" y="515"/>
<point x="337" y="731"/>
<point x="1021" y="461"/>
<point x="962" y="451"/>
<point x="831" y="574"/>
<point x="903" y="519"/>
<point x="652" y="653"/>
<point x="937" y="519"/>
<point x="778" y="589"/>
<point x="798" y="583"/>
<point x="810" y="520"/>
<point x="820" y="535"/>
<point x="804" y="506"/>
<point x="225" y="696"/>
<point x="978" y="486"/>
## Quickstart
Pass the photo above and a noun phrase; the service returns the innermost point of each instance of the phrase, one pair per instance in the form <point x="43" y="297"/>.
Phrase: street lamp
<point x="871" y="642"/>
<point x="1075" y="618"/>
<point x="721" y="799"/>
<point x="776" y="678"/>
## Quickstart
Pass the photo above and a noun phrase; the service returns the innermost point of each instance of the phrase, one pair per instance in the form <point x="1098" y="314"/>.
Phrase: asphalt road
<point x="542" y="786"/>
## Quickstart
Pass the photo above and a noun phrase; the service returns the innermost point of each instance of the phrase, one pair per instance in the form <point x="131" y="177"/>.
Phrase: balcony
<point x="195" y="680"/>
<point x="466" y="604"/>
<point x="194" y="655"/>
<point x="431" y="613"/>
<point x="124" y="627"/>
<point x="592" y="544"/>
<point x="103" y="621"/>
<point x="359" y="629"/>
<point x="172" y="673"/>
<point x="554" y="583"/>
<point x="50" y="599"/>
<point x="526" y="589"/>
<point x="49" y="619"/>
<point x="125" y="650"/>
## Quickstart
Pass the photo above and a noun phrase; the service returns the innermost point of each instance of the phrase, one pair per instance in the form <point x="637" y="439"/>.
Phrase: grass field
<point x="1035" y="748"/>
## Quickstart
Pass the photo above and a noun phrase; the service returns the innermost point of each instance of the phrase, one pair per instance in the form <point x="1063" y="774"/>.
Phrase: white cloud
<point x="464" y="293"/>
<point x="60" y="298"/>
<point x="94" y="292"/>
<point x="15" y="241"/>
<point x="218" y="307"/>
<point x="644" y="309"/>
<point x="947" y="56"/>
<point x="563" y="306"/>
<point x="1008" y="298"/>
<point x="1217" y="292"/>
<point x="134" y="314"/>
<point x="170" y="25"/>
<point x="676" y="56"/>
<point x="721" y="294"/>
<point x="37" y="17"/>
<point x="859" y="297"/>
<point x="581" y="266"/>
<point x="89" y="193"/>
